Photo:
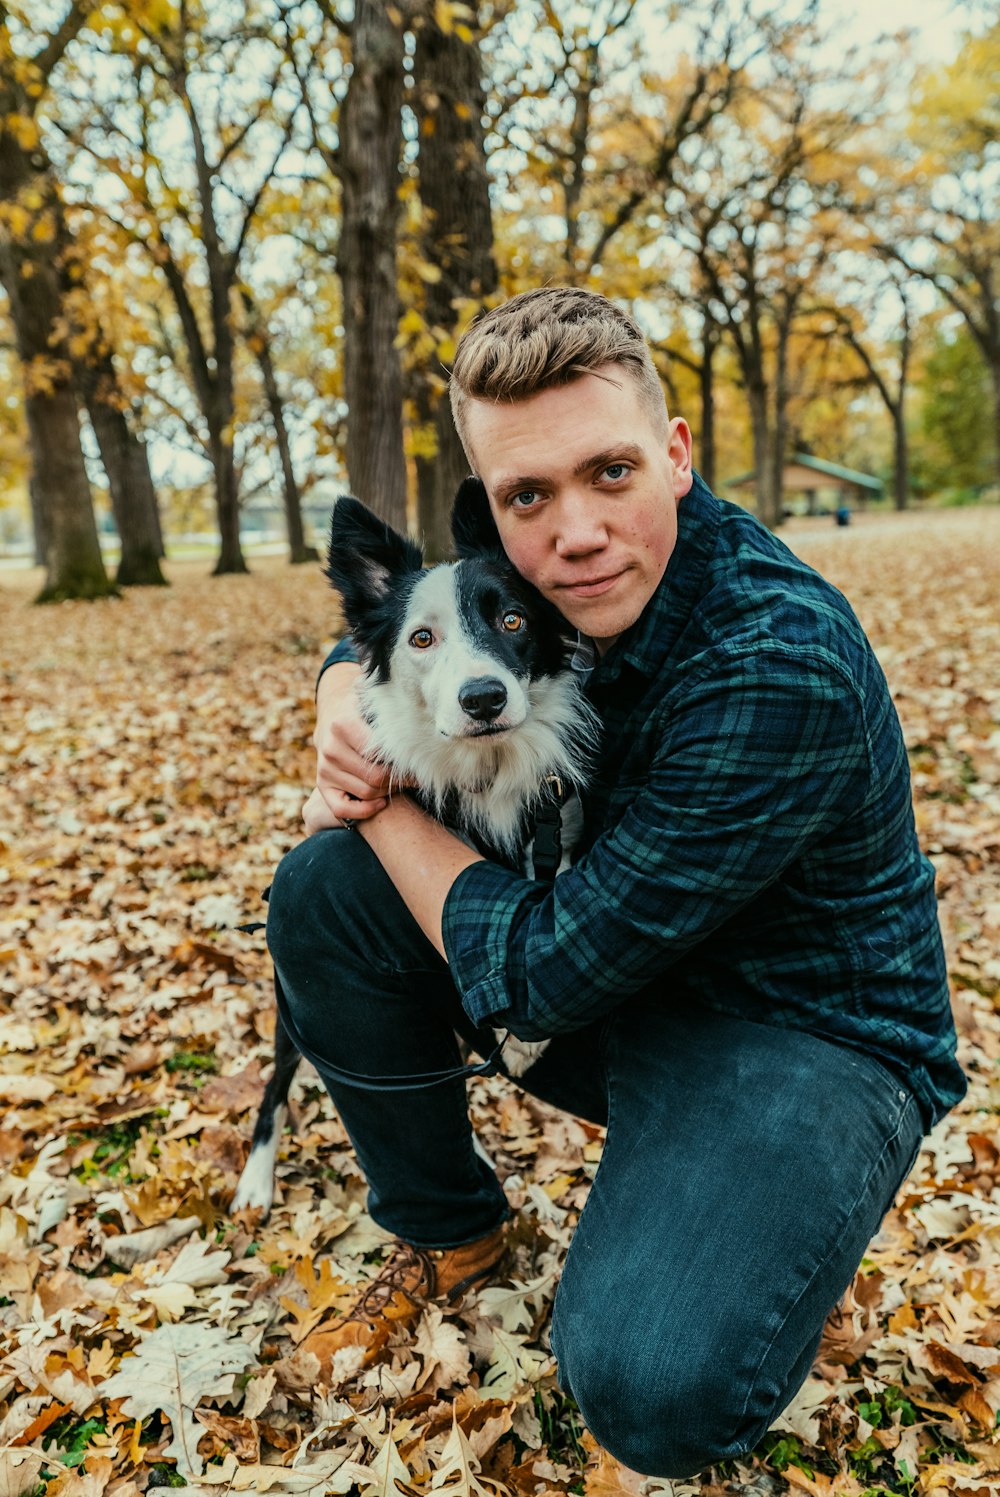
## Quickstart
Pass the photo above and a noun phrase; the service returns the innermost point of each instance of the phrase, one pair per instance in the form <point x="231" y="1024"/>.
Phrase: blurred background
<point x="238" y="242"/>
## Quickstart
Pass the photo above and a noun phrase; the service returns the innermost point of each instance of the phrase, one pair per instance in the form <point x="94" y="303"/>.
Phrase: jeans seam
<point x="752" y="1388"/>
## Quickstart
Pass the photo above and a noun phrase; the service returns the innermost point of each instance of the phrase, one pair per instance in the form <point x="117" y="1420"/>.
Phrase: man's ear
<point x="366" y="555"/>
<point x="473" y="528"/>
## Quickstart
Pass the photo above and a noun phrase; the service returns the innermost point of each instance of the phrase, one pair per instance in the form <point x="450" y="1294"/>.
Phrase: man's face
<point x="584" y="490"/>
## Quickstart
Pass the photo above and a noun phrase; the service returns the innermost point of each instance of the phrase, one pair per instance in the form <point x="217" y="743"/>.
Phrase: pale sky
<point x="937" y="23"/>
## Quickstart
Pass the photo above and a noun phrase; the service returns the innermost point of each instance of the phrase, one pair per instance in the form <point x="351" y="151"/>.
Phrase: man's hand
<point x="349" y="787"/>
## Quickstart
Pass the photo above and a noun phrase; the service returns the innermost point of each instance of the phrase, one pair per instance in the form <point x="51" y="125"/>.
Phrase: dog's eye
<point x="512" y="621"/>
<point x="421" y="639"/>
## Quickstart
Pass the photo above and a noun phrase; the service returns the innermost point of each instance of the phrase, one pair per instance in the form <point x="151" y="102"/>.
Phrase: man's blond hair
<point x="546" y="338"/>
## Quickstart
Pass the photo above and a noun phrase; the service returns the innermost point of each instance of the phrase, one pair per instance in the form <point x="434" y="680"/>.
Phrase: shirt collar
<point x="655" y="632"/>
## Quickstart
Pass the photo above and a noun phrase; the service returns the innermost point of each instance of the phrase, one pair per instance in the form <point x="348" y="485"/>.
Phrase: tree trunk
<point x="74" y="566"/>
<point x="39" y="521"/>
<point x="298" y="550"/>
<point x="126" y="463"/>
<point x="73" y="562"/>
<point x="706" y="380"/>
<point x="779" y="439"/>
<point x="901" y="465"/>
<point x="457" y="239"/>
<point x="227" y="500"/>
<point x="763" y="455"/>
<point x="994" y="365"/>
<point x="368" y="162"/>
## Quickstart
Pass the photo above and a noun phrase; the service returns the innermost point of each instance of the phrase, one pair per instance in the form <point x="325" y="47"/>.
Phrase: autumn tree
<point x="258" y="339"/>
<point x="756" y="206"/>
<point x="453" y="270"/>
<point x="861" y="306"/>
<point x="175" y="73"/>
<point x="945" y="227"/>
<point x="955" y="447"/>
<point x="358" y="133"/>
<point x="32" y="234"/>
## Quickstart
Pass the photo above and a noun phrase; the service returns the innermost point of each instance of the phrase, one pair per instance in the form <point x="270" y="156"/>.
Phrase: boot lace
<point x="409" y="1270"/>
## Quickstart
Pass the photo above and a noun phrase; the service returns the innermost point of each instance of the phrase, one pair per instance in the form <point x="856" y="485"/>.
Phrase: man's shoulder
<point x="756" y="589"/>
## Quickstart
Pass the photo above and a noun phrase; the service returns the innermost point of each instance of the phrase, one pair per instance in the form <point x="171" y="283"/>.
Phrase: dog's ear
<point x="366" y="555"/>
<point x="473" y="528"/>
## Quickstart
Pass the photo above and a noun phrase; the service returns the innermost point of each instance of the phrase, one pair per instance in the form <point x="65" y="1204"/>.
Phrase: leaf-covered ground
<point x="154" y="754"/>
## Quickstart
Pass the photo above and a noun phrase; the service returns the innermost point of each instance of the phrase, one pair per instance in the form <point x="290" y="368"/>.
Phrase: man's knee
<point x="317" y="888"/>
<point x="664" y="1414"/>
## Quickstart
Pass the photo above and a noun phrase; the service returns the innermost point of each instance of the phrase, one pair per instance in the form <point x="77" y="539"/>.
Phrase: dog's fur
<point x="468" y="694"/>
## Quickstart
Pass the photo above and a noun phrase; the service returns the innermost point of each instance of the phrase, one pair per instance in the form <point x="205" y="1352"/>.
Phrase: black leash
<point x="546" y="852"/>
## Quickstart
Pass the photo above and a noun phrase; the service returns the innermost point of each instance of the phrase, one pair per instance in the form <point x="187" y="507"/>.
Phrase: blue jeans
<point x="746" y="1166"/>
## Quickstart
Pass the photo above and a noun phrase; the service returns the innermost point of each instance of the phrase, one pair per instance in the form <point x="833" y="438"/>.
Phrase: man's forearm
<point x="422" y="858"/>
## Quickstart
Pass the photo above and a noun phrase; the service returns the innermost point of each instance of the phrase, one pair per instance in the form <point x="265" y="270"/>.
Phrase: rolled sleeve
<point x="344" y="649"/>
<point x="756" y="765"/>
<point x="483" y="907"/>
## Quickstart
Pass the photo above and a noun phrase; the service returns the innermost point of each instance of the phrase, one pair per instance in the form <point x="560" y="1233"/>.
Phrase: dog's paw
<point x="255" y="1190"/>
<point x="519" y="1055"/>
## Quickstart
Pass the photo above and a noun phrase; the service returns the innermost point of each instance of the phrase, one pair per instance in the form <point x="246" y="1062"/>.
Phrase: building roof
<point x="833" y="471"/>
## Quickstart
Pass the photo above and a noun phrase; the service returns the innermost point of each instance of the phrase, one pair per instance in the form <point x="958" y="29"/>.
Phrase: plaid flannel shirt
<point x="749" y="842"/>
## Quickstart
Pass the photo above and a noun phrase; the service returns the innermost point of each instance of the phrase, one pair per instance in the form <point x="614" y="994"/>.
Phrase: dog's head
<point x="460" y="643"/>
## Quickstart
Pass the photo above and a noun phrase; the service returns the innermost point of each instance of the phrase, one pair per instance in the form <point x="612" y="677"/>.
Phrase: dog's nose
<point x="483" y="699"/>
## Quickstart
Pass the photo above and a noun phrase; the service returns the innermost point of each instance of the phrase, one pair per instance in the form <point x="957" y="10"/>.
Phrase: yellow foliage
<point x="412" y="324"/>
<point x="420" y="441"/>
<point x="43" y="374"/>
<point x="16" y="219"/>
<point x="24" y="130"/>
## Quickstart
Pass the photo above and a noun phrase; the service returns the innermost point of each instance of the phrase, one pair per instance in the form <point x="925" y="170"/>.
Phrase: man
<point x="742" y="973"/>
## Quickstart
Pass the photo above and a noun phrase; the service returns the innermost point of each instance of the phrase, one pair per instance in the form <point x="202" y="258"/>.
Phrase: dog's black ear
<point x="366" y="555"/>
<point x="473" y="528"/>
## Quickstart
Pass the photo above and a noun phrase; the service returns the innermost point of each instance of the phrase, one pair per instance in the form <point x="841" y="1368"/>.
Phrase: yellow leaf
<point x="903" y="1319"/>
<point x="554" y="1188"/>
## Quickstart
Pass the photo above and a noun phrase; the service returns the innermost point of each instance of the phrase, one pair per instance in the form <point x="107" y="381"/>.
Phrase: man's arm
<point x="756" y="765"/>
<point x="422" y="858"/>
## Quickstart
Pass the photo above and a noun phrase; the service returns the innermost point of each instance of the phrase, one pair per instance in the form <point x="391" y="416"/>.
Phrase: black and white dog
<point x="469" y="695"/>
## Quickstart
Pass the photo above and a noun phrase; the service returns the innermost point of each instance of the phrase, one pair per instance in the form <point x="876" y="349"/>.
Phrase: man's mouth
<point x="590" y="587"/>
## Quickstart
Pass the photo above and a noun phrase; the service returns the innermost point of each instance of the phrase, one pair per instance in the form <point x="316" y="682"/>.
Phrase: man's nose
<point x="582" y="525"/>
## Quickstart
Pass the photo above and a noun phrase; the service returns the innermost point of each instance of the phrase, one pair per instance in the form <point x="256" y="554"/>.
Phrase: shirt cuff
<point x="480" y="911"/>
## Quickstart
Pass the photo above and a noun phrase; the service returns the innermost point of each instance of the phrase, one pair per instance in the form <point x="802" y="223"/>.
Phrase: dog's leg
<point x="256" y="1184"/>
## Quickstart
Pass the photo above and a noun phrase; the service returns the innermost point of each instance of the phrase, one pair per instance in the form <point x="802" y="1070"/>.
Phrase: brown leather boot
<point x="406" y="1281"/>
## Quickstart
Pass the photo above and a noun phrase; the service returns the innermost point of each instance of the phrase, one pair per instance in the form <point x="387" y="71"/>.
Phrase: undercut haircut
<point x="545" y="338"/>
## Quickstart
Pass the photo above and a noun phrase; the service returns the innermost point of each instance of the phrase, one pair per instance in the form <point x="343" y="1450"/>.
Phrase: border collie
<point x="469" y="695"/>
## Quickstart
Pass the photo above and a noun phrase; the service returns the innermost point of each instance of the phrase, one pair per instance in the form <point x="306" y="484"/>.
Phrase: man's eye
<point x="523" y="499"/>
<point x="512" y="622"/>
<point x="421" y="639"/>
<point x="614" y="471"/>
